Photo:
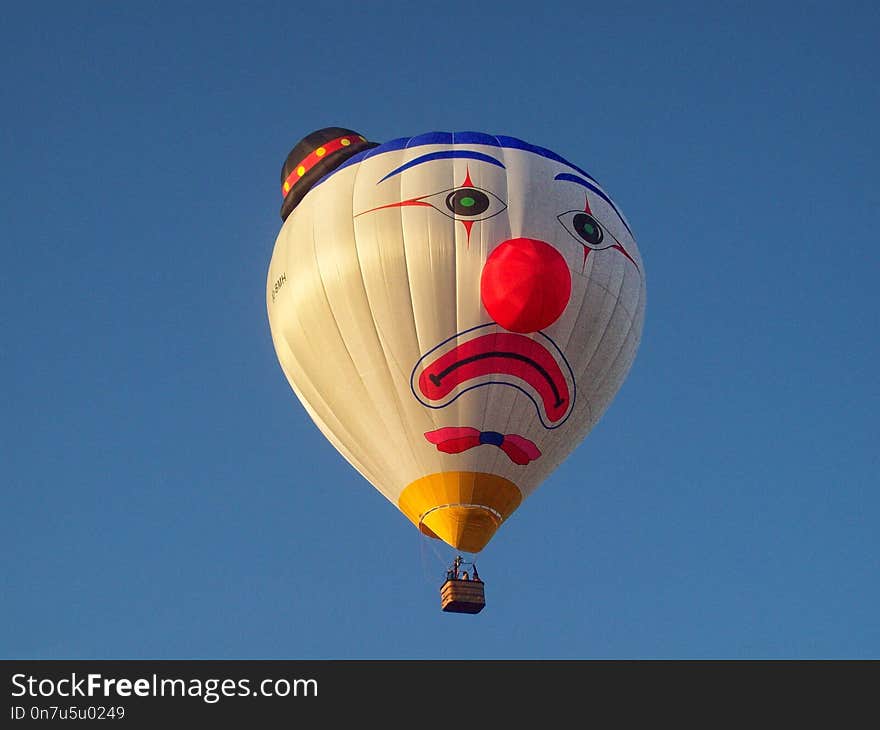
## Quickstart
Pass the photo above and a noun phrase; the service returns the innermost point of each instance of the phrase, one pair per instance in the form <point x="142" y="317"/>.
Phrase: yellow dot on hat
<point x="300" y="171"/>
<point x="345" y="142"/>
<point x="287" y="187"/>
<point x="320" y="152"/>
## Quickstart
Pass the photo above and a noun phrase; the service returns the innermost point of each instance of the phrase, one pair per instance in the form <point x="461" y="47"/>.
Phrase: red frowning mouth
<point x="534" y="366"/>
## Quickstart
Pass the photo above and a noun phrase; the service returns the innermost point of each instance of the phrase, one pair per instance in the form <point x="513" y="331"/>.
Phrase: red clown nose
<point x="525" y="285"/>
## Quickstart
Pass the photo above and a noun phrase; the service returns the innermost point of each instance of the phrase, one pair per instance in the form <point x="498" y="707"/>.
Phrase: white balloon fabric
<point x="455" y="312"/>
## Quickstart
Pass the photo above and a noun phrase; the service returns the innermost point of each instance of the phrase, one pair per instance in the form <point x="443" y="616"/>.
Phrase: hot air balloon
<point x="455" y="311"/>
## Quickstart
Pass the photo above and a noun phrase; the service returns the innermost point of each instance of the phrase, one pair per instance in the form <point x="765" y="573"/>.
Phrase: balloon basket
<point x="462" y="596"/>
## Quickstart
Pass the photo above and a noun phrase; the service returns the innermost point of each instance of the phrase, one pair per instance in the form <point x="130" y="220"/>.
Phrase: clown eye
<point x="586" y="229"/>
<point x="467" y="203"/>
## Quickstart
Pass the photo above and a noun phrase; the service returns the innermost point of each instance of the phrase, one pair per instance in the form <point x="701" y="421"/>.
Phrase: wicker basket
<point x="462" y="596"/>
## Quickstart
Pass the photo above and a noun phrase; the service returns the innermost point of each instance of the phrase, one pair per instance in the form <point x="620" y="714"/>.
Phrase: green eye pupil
<point x="588" y="229"/>
<point x="468" y="202"/>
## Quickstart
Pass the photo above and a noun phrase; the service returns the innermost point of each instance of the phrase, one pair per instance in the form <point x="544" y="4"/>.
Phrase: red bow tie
<point x="455" y="439"/>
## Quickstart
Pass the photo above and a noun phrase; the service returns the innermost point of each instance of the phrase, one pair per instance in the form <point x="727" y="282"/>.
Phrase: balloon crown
<point x="313" y="157"/>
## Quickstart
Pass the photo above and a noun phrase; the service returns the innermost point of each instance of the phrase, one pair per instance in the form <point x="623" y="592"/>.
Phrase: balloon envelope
<point x="455" y="312"/>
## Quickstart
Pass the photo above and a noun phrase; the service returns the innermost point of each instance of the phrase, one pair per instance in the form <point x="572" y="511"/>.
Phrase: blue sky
<point x="163" y="493"/>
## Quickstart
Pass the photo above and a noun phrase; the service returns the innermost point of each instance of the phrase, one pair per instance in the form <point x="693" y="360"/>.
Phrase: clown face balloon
<point x="455" y="312"/>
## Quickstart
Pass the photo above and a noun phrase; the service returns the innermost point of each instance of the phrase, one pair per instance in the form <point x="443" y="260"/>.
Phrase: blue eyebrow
<point x="444" y="155"/>
<point x="568" y="177"/>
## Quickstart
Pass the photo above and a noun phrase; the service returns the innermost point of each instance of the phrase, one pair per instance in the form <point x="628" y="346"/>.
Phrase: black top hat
<point x="313" y="157"/>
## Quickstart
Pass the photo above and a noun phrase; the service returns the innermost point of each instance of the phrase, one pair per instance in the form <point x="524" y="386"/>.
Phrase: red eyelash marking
<point x="411" y="201"/>
<point x="624" y="252"/>
<point x="468" y="183"/>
